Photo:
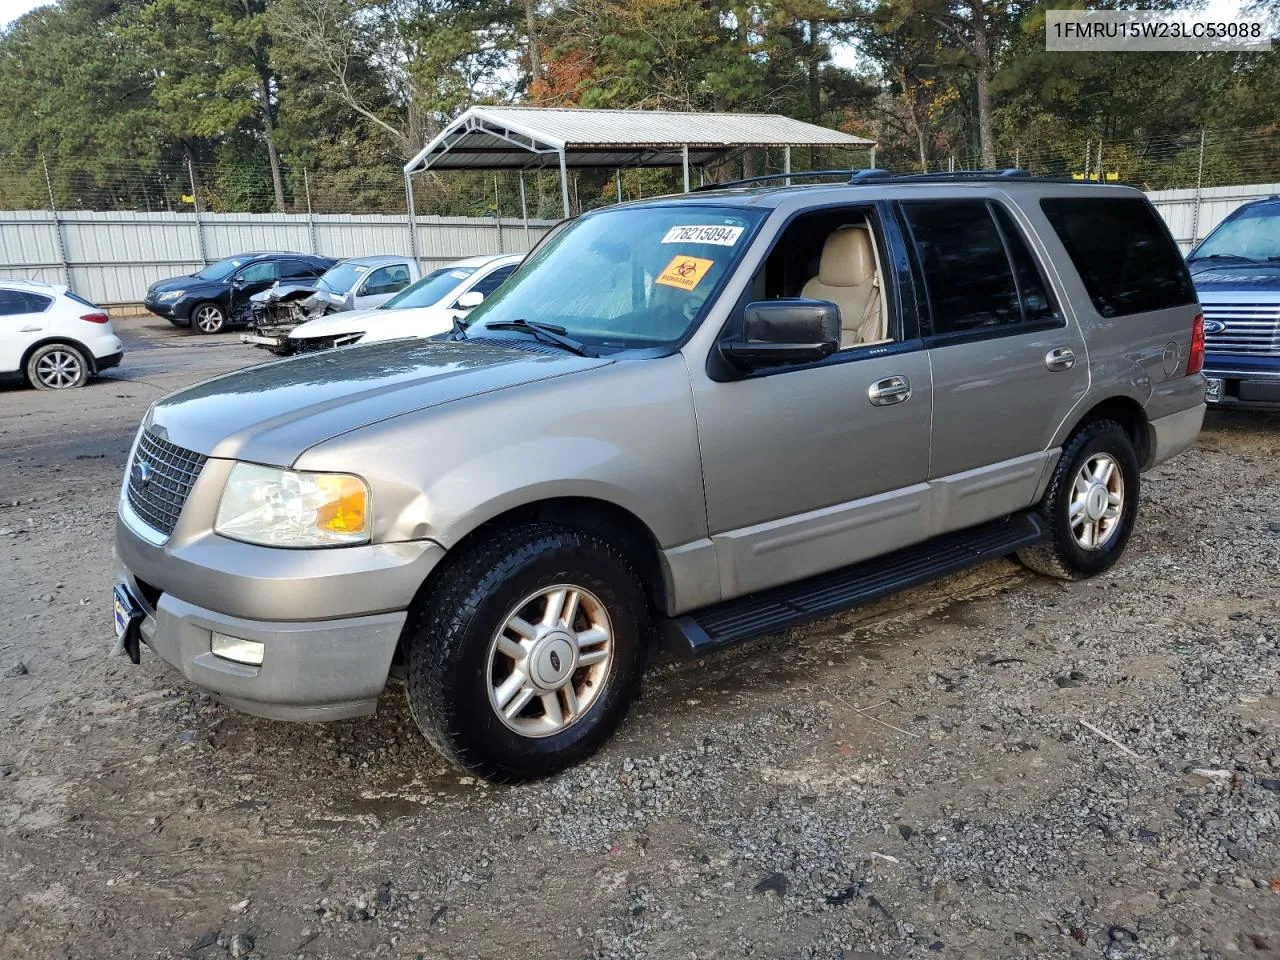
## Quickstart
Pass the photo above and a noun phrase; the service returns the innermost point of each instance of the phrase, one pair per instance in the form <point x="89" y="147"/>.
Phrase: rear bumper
<point x="109" y="361"/>
<point x="310" y="671"/>
<point x="1175" y="433"/>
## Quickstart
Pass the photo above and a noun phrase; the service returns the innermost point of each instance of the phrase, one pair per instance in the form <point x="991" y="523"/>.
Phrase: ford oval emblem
<point x="1214" y="326"/>
<point x="142" y="472"/>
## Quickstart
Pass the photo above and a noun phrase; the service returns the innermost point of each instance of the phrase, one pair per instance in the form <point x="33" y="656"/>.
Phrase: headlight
<point x="171" y="295"/>
<point x="286" y="508"/>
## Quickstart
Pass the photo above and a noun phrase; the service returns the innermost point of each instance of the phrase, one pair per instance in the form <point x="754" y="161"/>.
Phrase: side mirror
<point x="470" y="300"/>
<point x="785" y="331"/>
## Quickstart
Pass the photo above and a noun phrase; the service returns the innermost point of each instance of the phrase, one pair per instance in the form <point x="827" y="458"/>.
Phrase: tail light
<point x="103" y="318"/>
<point x="1195" y="356"/>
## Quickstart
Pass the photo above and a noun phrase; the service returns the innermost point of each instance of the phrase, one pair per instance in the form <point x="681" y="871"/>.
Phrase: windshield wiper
<point x="546" y="332"/>
<point x="459" y="331"/>
<point x="1222" y="256"/>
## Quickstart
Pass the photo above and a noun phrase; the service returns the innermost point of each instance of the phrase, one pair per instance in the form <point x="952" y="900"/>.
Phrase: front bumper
<point x="329" y="620"/>
<point x="169" y="309"/>
<point x="330" y="670"/>
<point x="1254" y="386"/>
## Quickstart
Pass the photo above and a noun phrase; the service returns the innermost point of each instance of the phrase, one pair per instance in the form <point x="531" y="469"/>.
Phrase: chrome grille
<point x="1251" y="328"/>
<point x="160" y="479"/>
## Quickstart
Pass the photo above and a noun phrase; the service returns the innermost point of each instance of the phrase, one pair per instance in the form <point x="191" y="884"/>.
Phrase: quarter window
<point x="1123" y="253"/>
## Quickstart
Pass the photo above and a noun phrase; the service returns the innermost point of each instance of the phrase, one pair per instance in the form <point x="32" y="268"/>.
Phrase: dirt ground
<point x="998" y="765"/>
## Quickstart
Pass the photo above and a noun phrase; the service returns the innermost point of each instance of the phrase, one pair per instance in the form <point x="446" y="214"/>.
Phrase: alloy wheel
<point x="1097" y="501"/>
<point x="59" y="369"/>
<point x="550" y="660"/>
<point x="208" y="319"/>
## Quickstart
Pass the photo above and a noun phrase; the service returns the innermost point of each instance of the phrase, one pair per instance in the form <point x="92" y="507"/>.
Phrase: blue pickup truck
<point x="1236" y="271"/>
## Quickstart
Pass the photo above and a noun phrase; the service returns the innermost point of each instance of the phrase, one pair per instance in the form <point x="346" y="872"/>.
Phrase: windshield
<point x="431" y="289"/>
<point x="626" y="277"/>
<point x="343" y="277"/>
<point x="1253" y="235"/>
<point x="221" y="269"/>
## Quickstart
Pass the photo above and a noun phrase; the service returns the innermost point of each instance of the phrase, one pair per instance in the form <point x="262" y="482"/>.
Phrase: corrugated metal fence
<point x="113" y="257"/>
<point x="1191" y="214"/>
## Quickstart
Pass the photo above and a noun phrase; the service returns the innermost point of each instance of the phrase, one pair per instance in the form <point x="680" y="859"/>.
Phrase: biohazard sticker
<point x="720" y="236"/>
<point x="685" y="272"/>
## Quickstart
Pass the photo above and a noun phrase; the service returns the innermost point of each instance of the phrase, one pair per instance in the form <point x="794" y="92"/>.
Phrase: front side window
<point x="260" y="271"/>
<point x="626" y="277"/>
<point x="493" y="281"/>
<point x="430" y="290"/>
<point x="1123" y="253"/>
<point x="1252" y="234"/>
<point x="389" y="279"/>
<point x="967" y="274"/>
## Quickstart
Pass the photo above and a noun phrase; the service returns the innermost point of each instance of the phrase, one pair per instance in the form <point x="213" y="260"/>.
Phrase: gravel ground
<point x="994" y="766"/>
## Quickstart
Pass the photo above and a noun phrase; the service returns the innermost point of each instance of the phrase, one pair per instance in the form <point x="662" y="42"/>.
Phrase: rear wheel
<point x="208" y="318"/>
<point x="57" y="366"/>
<point x="526" y="651"/>
<point x="1091" y="504"/>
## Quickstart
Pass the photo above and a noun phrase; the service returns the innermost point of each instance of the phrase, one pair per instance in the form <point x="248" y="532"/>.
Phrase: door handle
<point x="890" y="390"/>
<point x="1060" y="358"/>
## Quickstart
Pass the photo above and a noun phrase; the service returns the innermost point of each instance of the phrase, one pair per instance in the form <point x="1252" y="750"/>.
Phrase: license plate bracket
<point x="1212" y="390"/>
<point x="126" y="616"/>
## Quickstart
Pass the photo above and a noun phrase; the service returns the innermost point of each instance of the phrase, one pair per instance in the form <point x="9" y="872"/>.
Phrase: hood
<point x="350" y="321"/>
<point x="178" y="283"/>
<point x="273" y="412"/>
<point x="1222" y="276"/>
<point x="284" y="291"/>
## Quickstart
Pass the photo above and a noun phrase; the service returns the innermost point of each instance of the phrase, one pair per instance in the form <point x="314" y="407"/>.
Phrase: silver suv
<point x="690" y="420"/>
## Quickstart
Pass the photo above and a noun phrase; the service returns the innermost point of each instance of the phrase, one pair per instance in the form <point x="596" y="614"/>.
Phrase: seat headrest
<point x="848" y="259"/>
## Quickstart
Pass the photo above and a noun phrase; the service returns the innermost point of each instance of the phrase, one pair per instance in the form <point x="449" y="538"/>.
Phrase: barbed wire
<point x="1205" y="158"/>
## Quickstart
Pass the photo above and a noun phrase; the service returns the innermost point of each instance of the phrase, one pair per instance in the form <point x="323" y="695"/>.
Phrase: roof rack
<point x="877" y="175"/>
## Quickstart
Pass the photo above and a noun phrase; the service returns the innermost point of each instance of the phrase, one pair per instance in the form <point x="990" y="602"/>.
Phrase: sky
<point x="10" y="10"/>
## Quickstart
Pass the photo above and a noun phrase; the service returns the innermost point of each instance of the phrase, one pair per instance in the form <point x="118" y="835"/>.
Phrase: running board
<point x="769" y="611"/>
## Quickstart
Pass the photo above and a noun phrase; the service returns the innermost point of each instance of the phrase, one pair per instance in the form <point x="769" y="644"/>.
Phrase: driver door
<point x="254" y="278"/>
<point x="811" y="467"/>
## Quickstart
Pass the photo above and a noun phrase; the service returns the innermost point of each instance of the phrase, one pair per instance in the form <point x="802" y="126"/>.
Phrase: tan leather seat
<point x="847" y="277"/>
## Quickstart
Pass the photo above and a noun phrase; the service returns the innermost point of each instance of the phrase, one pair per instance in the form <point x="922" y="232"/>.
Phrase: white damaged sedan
<point x="423" y="309"/>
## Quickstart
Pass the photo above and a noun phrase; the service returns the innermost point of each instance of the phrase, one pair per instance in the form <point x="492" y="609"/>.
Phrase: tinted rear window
<point x="1123" y="253"/>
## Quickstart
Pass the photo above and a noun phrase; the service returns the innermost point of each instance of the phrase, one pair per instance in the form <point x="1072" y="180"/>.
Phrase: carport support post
<point x="684" y="152"/>
<point x="564" y="184"/>
<point x="413" y="218"/>
<point x="524" y="211"/>
<point x="195" y="202"/>
<point x="619" y="180"/>
<point x="786" y="162"/>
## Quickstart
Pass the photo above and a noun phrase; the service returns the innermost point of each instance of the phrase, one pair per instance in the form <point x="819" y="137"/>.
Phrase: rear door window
<point x="967" y="273"/>
<point x="1123" y="252"/>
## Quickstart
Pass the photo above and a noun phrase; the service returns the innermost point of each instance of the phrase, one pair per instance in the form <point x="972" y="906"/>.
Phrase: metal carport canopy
<point x="520" y="138"/>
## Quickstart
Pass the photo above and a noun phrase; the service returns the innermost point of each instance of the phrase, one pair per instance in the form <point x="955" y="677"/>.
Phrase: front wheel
<point x="1091" y="504"/>
<point x="525" y="652"/>
<point x="208" y="318"/>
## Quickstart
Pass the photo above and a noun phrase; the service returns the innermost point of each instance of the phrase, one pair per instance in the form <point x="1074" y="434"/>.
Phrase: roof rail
<point x="797" y="175"/>
<point x="877" y="175"/>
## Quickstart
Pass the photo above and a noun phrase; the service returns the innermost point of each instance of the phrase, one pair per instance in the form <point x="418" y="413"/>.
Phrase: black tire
<point x="1061" y="555"/>
<point x="58" y="366"/>
<point x="208" y="317"/>
<point x="455" y="620"/>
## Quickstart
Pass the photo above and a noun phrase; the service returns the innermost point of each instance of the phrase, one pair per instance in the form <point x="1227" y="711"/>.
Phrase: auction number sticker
<point x="685" y="272"/>
<point x="720" y="236"/>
